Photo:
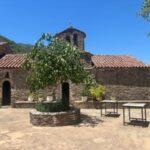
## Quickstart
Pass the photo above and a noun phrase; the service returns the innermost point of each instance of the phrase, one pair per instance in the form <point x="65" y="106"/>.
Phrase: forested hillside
<point x="17" y="47"/>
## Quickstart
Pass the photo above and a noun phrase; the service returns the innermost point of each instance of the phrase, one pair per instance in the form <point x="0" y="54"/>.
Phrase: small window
<point x="75" y="39"/>
<point x="7" y="75"/>
<point x="68" y="39"/>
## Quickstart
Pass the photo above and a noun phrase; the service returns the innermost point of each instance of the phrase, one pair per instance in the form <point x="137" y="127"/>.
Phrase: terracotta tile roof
<point x="116" y="61"/>
<point x="16" y="60"/>
<point x="12" y="61"/>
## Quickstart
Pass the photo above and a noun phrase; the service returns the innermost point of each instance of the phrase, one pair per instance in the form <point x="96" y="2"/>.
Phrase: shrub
<point x="56" y="106"/>
<point x="97" y="91"/>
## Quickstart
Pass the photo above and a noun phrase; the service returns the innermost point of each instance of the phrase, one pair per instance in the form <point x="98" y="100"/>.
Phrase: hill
<point x="17" y="47"/>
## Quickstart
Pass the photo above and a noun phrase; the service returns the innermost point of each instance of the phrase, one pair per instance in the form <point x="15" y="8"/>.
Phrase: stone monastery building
<point x="125" y="77"/>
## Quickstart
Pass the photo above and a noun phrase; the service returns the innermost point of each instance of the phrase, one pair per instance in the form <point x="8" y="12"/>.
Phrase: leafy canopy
<point x="145" y="10"/>
<point x="53" y="61"/>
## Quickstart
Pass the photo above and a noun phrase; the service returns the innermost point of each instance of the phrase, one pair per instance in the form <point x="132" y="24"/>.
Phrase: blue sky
<point x="112" y="26"/>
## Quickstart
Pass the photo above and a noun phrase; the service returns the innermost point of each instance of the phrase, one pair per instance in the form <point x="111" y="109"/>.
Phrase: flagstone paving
<point x="94" y="132"/>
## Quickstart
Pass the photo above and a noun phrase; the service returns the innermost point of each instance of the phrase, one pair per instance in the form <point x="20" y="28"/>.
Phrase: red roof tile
<point x="116" y="61"/>
<point x="12" y="61"/>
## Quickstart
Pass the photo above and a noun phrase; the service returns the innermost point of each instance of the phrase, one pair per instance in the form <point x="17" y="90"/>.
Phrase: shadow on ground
<point x="91" y="121"/>
<point x="139" y="123"/>
<point x="113" y="115"/>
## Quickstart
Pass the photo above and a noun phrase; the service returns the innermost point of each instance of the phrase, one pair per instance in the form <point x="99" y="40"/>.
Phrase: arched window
<point x="68" y="38"/>
<point x="75" y="39"/>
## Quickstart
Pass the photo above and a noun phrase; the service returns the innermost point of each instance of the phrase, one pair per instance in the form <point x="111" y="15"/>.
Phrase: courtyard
<point x="94" y="132"/>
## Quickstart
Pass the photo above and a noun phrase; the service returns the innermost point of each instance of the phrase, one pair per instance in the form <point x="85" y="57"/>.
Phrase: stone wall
<point x="121" y="83"/>
<point x="125" y="83"/>
<point x="75" y="92"/>
<point x="124" y="76"/>
<point x="24" y="104"/>
<point x="69" y="34"/>
<point x="121" y="92"/>
<point x="19" y="88"/>
<point x="17" y="80"/>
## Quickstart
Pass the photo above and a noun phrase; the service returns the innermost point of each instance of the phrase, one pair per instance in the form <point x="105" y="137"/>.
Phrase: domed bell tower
<point x="73" y="36"/>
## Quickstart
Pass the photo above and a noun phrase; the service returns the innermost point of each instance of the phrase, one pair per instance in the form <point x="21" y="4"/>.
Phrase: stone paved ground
<point x="94" y="133"/>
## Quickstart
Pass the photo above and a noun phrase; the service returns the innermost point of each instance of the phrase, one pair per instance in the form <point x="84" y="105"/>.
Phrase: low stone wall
<point x="87" y="105"/>
<point x="97" y="105"/>
<point x="24" y="104"/>
<point x="70" y="117"/>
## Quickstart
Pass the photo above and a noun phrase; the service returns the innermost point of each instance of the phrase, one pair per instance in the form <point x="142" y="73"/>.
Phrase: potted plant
<point x="49" y="97"/>
<point x="40" y="97"/>
<point x="97" y="92"/>
<point x="31" y="97"/>
<point x="112" y="98"/>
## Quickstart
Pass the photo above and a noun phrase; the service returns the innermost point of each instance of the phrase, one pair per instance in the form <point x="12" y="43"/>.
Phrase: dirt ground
<point x="93" y="133"/>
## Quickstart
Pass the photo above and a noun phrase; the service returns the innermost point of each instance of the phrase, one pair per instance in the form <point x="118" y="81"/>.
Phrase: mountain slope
<point x="17" y="47"/>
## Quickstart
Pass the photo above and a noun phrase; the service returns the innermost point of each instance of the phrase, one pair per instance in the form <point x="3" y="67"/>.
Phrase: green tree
<point x="145" y="10"/>
<point x="53" y="61"/>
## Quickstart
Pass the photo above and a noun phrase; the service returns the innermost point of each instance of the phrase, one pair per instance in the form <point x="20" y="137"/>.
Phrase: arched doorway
<point x="6" y="93"/>
<point x="65" y="93"/>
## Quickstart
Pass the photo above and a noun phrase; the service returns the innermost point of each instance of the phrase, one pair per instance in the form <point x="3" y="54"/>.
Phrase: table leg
<point x="142" y="113"/>
<point x="114" y="107"/>
<point x="145" y="114"/>
<point x="117" y="107"/>
<point x="123" y="116"/>
<point x="129" y="114"/>
<point x="105" y="108"/>
<point x="101" y="109"/>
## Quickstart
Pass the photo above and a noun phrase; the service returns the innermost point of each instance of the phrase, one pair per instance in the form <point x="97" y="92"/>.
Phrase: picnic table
<point x="130" y="106"/>
<point x="105" y="104"/>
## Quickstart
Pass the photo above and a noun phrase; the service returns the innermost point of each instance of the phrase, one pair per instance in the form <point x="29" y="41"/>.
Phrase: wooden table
<point x="114" y="104"/>
<point x="130" y="106"/>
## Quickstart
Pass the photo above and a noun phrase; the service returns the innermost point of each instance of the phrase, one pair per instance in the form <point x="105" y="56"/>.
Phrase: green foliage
<point x="89" y="82"/>
<point x="97" y="91"/>
<point x="17" y="47"/>
<point x="53" y="61"/>
<point x="51" y="107"/>
<point x="145" y="10"/>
